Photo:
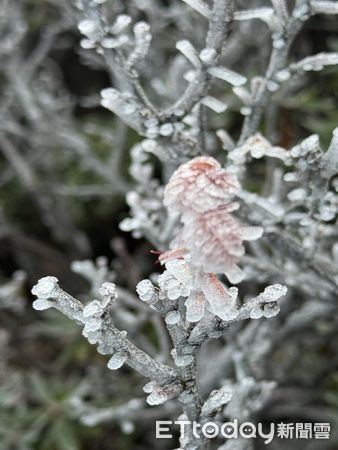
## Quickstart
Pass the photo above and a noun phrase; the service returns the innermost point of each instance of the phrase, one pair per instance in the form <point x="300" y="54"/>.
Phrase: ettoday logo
<point x="246" y="430"/>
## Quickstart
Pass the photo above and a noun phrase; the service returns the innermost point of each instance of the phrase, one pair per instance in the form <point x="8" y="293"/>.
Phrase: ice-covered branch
<point x="99" y="329"/>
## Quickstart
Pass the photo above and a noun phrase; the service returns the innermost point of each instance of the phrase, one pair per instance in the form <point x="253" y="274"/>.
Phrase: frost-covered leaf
<point x="92" y="324"/>
<point x="217" y="399"/>
<point x="195" y="305"/>
<point x="256" y="312"/>
<point x="219" y="301"/>
<point x="181" y="271"/>
<point x="149" y="387"/>
<point x="271" y="309"/>
<point x="214" y="104"/>
<point x="46" y="287"/>
<point x="41" y="304"/>
<point x="200" y="178"/>
<point x="122" y="21"/>
<point x="142" y="43"/>
<point x="215" y="240"/>
<point x="176" y="280"/>
<point x="173" y="317"/>
<point x="227" y="75"/>
<point x="273" y="293"/>
<point x="146" y="291"/>
<point x="117" y="361"/>
<point x="161" y="394"/>
<point x="92" y="309"/>
<point x="188" y="50"/>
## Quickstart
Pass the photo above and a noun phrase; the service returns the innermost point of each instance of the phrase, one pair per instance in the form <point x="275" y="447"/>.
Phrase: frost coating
<point x="146" y="291"/>
<point x="117" y="361"/>
<point x="46" y="287"/>
<point x="202" y="192"/>
<point x="200" y="185"/>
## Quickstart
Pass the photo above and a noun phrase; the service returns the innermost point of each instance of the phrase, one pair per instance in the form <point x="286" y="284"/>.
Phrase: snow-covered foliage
<point x="243" y="219"/>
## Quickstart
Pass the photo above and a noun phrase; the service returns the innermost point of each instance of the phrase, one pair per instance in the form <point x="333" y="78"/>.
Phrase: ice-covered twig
<point x="109" y="339"/>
